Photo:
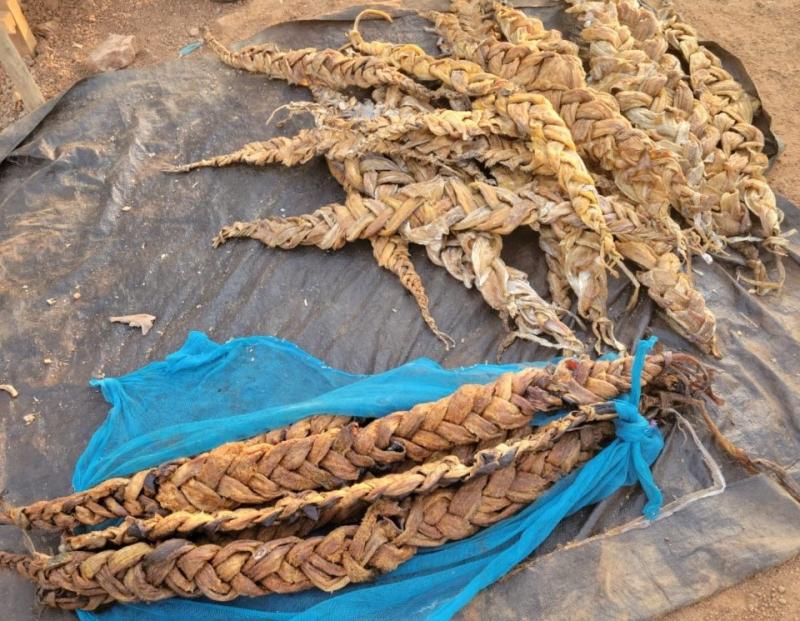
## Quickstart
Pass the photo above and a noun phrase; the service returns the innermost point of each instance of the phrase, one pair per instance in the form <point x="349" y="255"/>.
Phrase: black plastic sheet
<point x="85" y="209"/>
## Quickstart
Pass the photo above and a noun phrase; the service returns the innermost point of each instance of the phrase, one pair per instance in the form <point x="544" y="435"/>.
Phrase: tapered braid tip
<point x="12" y="515"/>
<point x="175" y="168"/>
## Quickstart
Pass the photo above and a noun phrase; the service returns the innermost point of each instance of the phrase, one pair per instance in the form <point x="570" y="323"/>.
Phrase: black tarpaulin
<point x="85" y="209"/>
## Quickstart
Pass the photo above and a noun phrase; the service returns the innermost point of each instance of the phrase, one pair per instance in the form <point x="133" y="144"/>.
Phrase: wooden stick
<point x="25" y="40"/>
<point x="17" y="70"/>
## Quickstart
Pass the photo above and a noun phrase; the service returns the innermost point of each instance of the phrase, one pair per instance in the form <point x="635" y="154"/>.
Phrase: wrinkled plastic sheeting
<point x="84" y="208"/>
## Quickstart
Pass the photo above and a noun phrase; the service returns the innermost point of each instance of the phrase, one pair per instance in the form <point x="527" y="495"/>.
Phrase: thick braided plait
<point x="667" y="283"/>
<point x="335" y="506"/>
<point x="298" y="149"/>
<point x="309" y="66"/>
<point x="419" y="211"/>
<point x="234" y="475"/>
<point x="391" y="253"/>
<point x="474" y="259"/>
<point x="346" y="555"/>
<point x="123" y="496"/>
<point x="723" y="164"/>
<point x="463" y="76"/>
<point x="533" y="112"/>
<point x="732" y="110"/>
<point x="337" y="143"/>
<point x="672" y="290"/>
<point x="504" y="288"/>
<point x="334" y="225"/>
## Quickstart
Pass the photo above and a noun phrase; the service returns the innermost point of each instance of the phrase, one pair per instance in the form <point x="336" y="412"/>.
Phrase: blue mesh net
<point x="206" y="394"/>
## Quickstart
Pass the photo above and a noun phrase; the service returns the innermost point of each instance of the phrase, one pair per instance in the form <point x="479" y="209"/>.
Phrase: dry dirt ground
<point x="765" y="34"/>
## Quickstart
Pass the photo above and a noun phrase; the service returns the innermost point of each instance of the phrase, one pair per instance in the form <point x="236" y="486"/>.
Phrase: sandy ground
<point x="765" y="34"/>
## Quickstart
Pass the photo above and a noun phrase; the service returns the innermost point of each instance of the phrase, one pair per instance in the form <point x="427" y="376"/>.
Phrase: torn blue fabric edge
<point x="214" y="391"/>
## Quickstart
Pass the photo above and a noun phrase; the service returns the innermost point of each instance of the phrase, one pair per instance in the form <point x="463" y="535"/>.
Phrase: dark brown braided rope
<point x="389" y="534"/>
<point x="245" y="474"/>
<point x="334" y="506"/>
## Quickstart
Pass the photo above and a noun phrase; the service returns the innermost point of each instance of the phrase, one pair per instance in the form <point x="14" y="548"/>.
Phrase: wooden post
<point x="17" y="27"/>
<point x="17" y="71"/>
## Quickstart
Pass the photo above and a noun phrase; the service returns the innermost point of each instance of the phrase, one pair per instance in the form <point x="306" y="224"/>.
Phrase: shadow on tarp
<point x="84" y="208"/>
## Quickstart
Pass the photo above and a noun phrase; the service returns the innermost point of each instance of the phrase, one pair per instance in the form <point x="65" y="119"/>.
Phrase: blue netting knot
<point x="642" y="437"/>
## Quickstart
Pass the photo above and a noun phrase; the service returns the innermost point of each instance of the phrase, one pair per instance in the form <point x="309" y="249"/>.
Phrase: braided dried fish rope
<point x="643" y="171"/>
<point x="391" y="253"/>
<point x="731" y="109"/>
<point x="388" y="535"/>
<point x="518" y="27"/>
<point x="476" y="262"/>
<point x="533" y="115"/>
<point x="241" y="473"/>
<point x="643" y="243"/>
<point x="340" y="141"/>
<point x="506" y="289"/>
<point x="420" y="212"/>
<point x="646" y="82"/>
<point x="309" y="66"/>
<point x="728" y="164"/>
<point x="334" y="506"/>
<point x="338" y="138"/>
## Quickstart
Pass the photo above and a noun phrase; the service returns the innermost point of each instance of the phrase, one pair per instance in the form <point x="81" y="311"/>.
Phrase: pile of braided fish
<point x="329" y="501"/>
<point x="631" y="167"/>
